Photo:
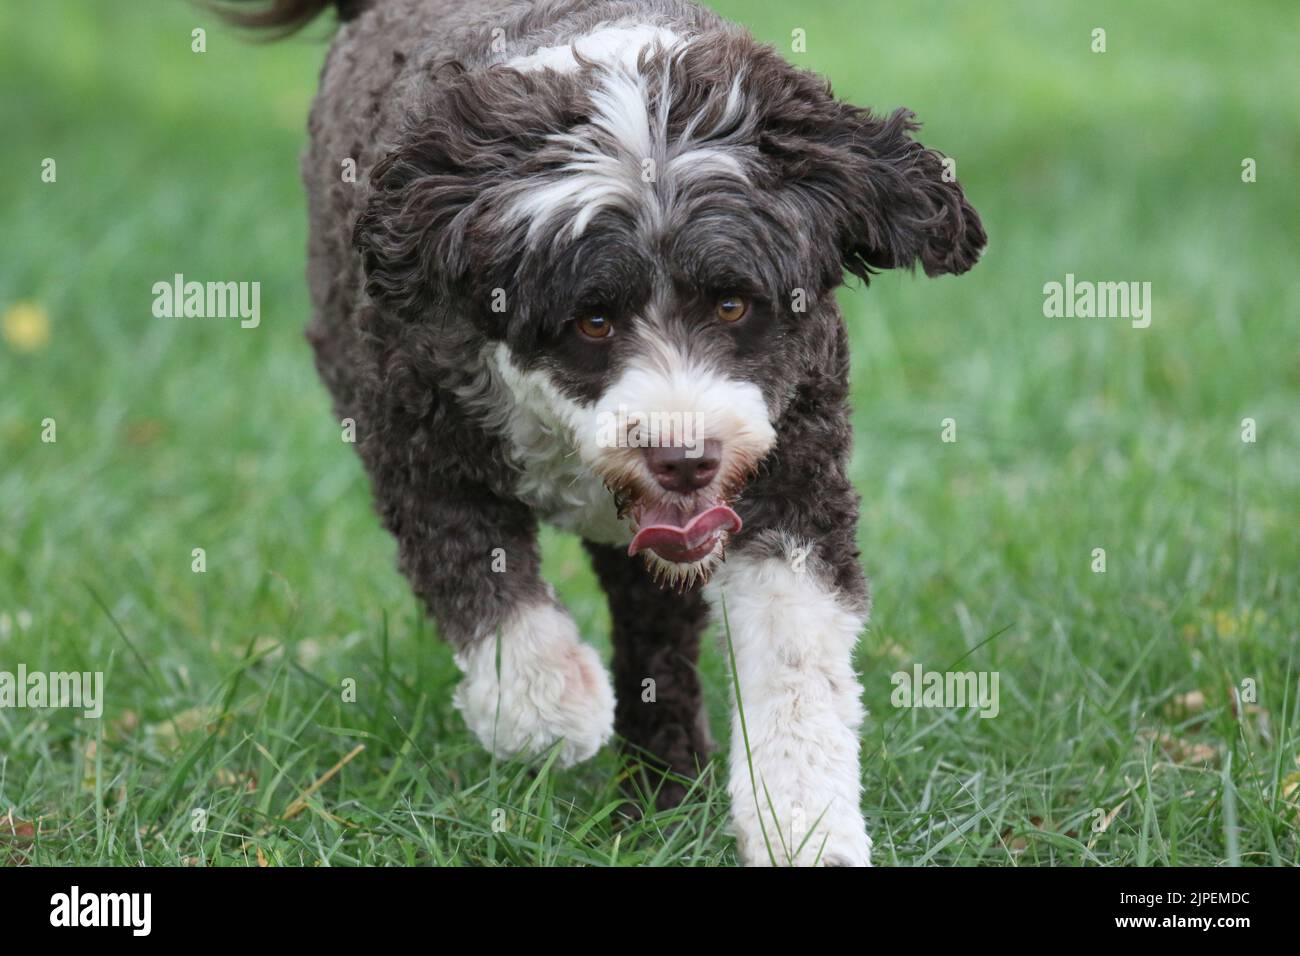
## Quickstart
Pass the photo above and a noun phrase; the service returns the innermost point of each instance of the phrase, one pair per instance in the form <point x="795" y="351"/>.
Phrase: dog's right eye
<point x="594" y="325"/>
<point x="731" y="308"/>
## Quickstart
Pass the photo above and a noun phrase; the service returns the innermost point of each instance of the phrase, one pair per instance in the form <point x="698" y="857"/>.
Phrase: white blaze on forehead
<point x="607" y="44"/>
<point x="628" y="163"/>
<point x="593" y="178"/>
<point x="706" y="160"/>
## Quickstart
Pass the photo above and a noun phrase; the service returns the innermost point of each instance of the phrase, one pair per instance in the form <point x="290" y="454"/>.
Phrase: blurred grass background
<point x="1073" y="434"/>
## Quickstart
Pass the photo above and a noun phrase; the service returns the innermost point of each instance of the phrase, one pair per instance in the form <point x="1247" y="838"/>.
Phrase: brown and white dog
<point x="584" y="275"/>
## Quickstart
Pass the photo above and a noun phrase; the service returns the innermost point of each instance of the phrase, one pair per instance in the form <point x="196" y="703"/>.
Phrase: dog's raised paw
<point x="552" y="688"/>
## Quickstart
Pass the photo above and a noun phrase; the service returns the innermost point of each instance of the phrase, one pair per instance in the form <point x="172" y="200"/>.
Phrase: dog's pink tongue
<point x="684" y="544"/>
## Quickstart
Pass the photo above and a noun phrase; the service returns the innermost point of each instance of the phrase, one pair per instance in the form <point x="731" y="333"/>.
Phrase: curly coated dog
<point x="584" y="275"/>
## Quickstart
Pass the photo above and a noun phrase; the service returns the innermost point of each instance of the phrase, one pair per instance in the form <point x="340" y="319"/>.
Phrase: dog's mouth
<point x="681" y="535"/>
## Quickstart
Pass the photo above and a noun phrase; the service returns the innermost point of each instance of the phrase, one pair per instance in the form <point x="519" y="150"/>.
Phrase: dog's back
<point x="377" y="70"/>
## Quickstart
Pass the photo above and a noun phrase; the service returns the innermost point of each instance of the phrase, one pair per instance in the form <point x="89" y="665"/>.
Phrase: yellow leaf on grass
<point x="26" y="327"/>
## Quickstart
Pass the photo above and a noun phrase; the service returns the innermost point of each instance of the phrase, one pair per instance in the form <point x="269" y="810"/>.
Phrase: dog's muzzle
<point x="684" y="532"/>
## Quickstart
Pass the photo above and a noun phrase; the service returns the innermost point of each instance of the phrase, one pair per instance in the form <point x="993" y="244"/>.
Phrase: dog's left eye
<point x="593" y="325"/>
<point x="732" y="308"/>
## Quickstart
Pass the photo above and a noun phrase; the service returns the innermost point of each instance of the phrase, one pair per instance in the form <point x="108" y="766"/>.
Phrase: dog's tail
<point x="285" y="16"/>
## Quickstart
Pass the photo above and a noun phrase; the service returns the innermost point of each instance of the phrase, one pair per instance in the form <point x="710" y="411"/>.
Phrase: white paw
<point x="552" y="688"/>
<point x="795" y="835"/>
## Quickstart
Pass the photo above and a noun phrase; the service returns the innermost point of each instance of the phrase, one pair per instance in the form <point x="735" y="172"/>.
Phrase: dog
<point x="584" y="275"/>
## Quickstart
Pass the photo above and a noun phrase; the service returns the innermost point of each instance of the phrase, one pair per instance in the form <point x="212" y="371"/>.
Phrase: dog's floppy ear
<point x="427" y="233"/>
<point x="907" y="205"/>
<point x="892" y="202"/>
<point x="412" y="234"/>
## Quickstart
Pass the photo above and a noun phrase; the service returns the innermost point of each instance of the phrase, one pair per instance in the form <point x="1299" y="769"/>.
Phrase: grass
<point x="1118" y="741"/>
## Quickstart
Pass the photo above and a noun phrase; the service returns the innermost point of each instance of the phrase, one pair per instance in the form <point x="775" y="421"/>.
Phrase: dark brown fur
<point x="656" y="636"/>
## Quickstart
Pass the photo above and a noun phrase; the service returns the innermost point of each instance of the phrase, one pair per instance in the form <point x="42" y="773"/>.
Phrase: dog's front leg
<point x="530" y="682"/>
<point x="795" y="784"/>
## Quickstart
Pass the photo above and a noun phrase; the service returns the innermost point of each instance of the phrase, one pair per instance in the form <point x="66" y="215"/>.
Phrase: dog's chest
<point x="538" y="426"/>
<point x="555" y="483"/>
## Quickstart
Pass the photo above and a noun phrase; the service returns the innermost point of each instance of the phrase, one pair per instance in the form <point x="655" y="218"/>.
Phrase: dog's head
<point x="652" y="238"/>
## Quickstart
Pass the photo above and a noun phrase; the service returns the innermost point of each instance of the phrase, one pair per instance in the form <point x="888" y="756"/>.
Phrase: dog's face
<point x="652" y="239"/>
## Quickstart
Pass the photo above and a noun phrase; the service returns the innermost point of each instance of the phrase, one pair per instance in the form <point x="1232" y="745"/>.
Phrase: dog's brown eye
<point x="732" y="308"/>
<point x="595" y="326"/>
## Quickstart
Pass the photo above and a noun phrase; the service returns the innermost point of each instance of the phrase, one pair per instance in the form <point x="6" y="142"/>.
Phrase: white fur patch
<point x="633" y="168"/>
<point x="664" y="382"/>
<point x="541" y="425"/>
<point x="562" y="448"/>
<point x="552" y="687"/>
<point x="664" y="379"/>
<point x="592" y="179"/>
<point x="607" y="44"/>
<point x="793" y="643"/>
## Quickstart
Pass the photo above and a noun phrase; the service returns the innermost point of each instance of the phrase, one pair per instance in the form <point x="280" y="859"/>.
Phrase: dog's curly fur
<point x="472" y="124"/>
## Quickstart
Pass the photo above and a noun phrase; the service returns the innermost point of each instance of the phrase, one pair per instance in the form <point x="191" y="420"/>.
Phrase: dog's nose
<point x="681" y="469"/>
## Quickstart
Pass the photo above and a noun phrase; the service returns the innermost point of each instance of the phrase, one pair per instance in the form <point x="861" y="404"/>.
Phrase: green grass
<point x="223" y="688"/>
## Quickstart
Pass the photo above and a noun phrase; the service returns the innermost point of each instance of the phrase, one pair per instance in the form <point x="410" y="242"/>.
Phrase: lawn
<point x="1150" y="712"/>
